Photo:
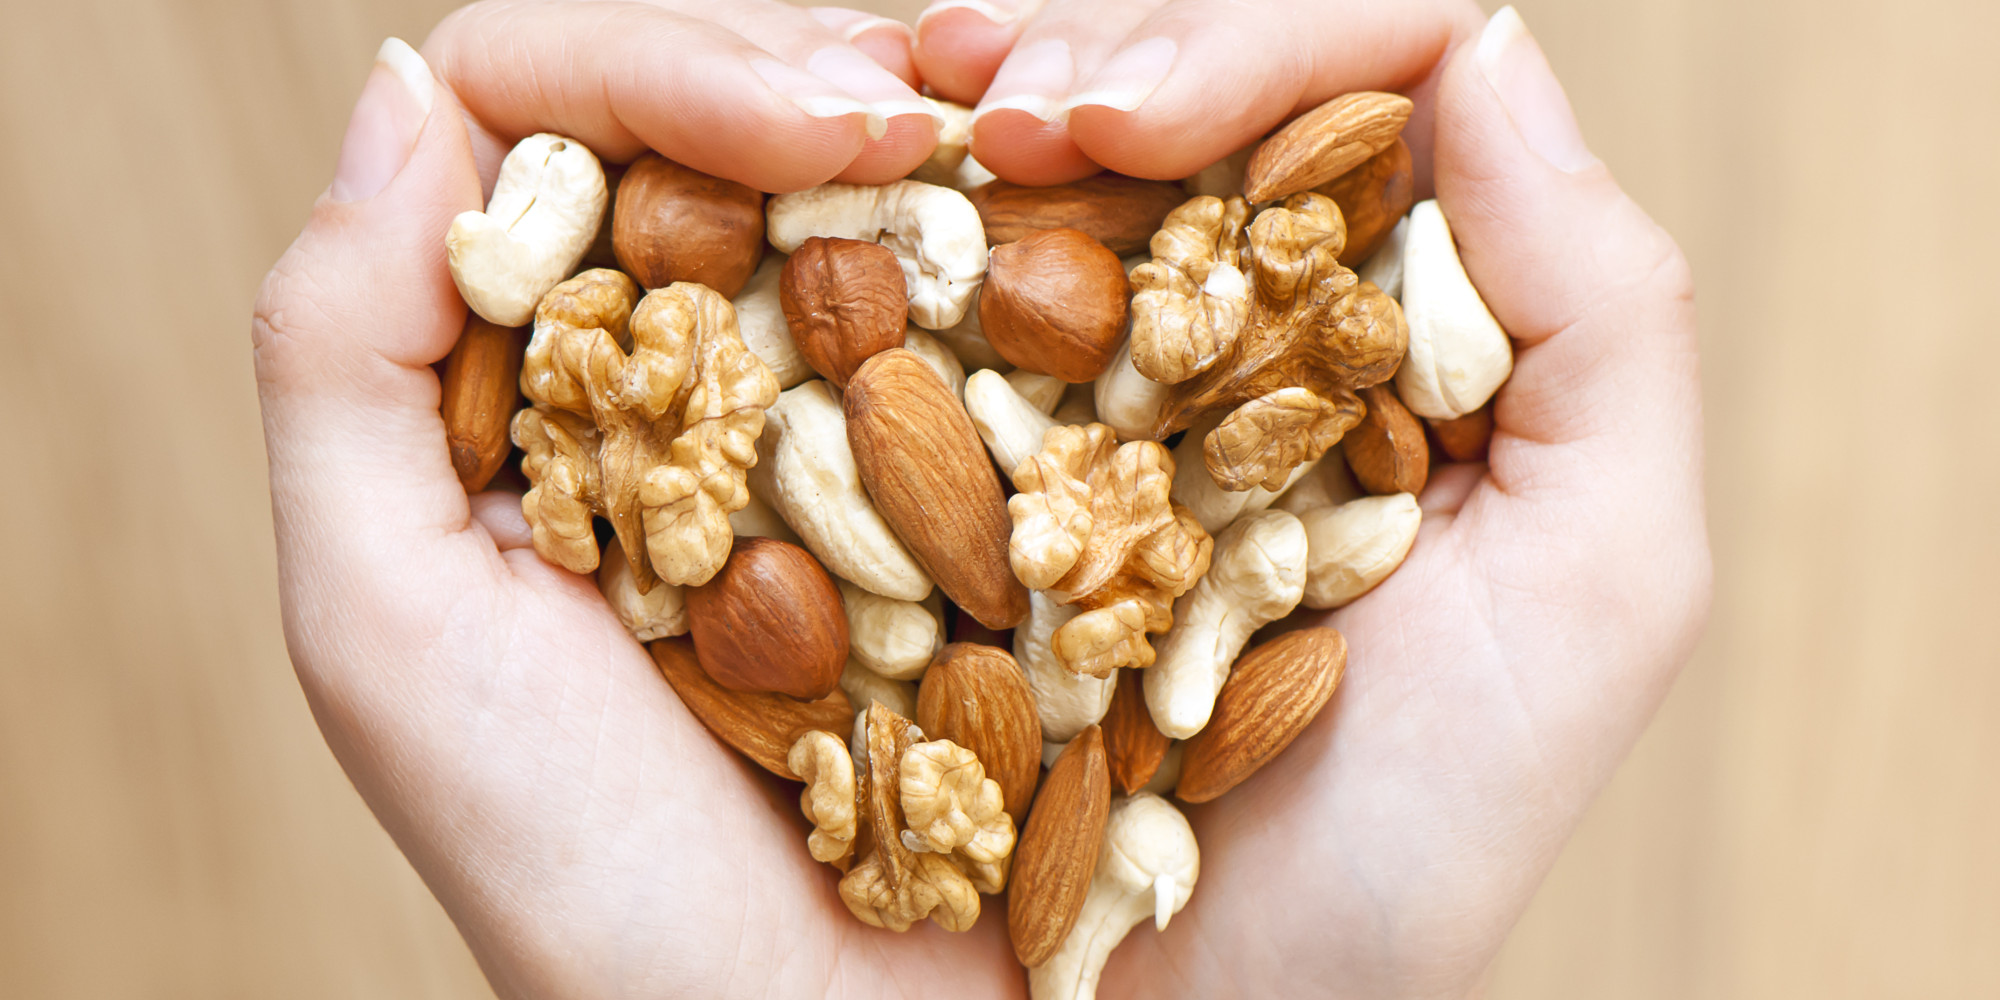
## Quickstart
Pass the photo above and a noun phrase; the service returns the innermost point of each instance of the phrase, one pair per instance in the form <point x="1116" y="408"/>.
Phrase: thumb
<point x="1599" y="429"/>
<point x="350" y="319"/>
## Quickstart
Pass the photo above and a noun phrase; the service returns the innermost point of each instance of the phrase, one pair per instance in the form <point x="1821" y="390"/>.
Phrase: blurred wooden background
<point x="1814" y="814"/>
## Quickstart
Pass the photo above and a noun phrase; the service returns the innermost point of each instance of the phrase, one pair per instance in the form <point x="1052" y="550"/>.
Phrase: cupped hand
<point x="1500" y="675"/>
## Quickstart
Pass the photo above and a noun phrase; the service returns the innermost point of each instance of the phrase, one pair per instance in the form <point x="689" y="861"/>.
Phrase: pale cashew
<point x="1385" y="266"/>
<point x="1043" y="392"/>
<point x="862" y="685"/>
<point x="1128" y="402"/>
<point x="1223" y="178"/>
<point x="1011" y="426"/>
<point x="758" y="520"/>
<point x="1169" y="773"/>
<point x="1078" y="406"/>
<point x="656" y="615"/>
<point x="1357" y="545"/>
<point x="894" y="638"/>
<point x="1459" y="355"/>
<point x="1213" y="506"/>
<point x="806" y="472"/>
<point x="547" y="205"/>
<point x="761" y="320"/>
<point x="951" y="163"/>
<point x="1256" y="577"/>
<point x="967" y="339"/>
<point x="1146" y="867"/>
<point x="1329" y="484"/>
<point x="935" y="233"/>
<point x="932" y="352"/>
<point x="1066" y="703"/>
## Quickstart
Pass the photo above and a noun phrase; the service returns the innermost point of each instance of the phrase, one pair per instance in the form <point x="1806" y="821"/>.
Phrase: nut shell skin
<point x="770" y="621"/>
<point x="1275" y="691"/>
<point x="977" y="697"/>
<point x="1387" y="450"/>
<point x="844" y="301"/>
<point x="1134" y="745"/>
<point x="481" y="391"/>
<point x="1467" y="438"/>
<point x="1055" y="303"/>
<point x="762" y="727"/>
<point x="1120" y="212"/>
<point x="1324" y="143"/>
<point x="927" y="472"/>
<point x="1373" y="198"/>
<point x="673" y="223"/>
<point x="1057" y="851"/>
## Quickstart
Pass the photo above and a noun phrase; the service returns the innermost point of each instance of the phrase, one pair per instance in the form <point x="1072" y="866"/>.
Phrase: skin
<point x="589" y="838"/>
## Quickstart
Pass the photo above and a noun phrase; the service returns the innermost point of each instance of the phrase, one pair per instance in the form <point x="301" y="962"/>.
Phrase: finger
<point x="1602" y="417"/>
<point x="352" y="316"/>
<point x="960" y="44"/>
<point x="1019" y="130"/>
<point x="795" y="111"/>
<point x="499" y="512"/>
<point x="883" y="39"/>
<point x="1201" y="79"/>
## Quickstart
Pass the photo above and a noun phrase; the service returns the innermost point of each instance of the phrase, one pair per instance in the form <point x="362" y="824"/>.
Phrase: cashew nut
<point x="1256" y="577"/>
<point x="1169" y="773"/>
<point x="1147" y="867"/>
<point x="761" y="320"/>
<point x="1043" y="392"/>
<point x="656" y="615"/>
<point x="1385" y="266"/>
<point x="1356" y="545"/>
<point x="1215" y="507"/>
<point x="951" y="163"/>
<point x="547" y="205"/>
<point x="939" y="357"/>
<point x="1329" y="484"/>
<point x="891" y="637"/>
<point x="1066" y="703"/>
<point x="1011" y="426"/>
<point x="1459" y="355"/>
<point x="862" y="685"/>
<point x="758" y="520"/>
<point x="934" y="231"/>
<point x="806" y="472"/>
<point x="967" y="339"/>
<point x="1078" y="406"/>
<point x="1128" y="402"/>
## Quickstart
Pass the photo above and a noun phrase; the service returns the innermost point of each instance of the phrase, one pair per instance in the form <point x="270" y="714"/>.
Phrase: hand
<point x="1495" y="681"/>
<point x="585" y="833"/>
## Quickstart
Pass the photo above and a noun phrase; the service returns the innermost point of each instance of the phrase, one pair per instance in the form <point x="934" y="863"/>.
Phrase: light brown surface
<point x="1813" y="815"/>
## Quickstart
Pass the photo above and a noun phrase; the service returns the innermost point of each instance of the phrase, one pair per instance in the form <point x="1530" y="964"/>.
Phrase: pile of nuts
<point x="807" y="497"/>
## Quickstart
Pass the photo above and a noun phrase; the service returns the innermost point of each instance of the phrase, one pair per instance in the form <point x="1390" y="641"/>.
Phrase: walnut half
<point x="647" y="416"/>
<point x="1259" y="318"/>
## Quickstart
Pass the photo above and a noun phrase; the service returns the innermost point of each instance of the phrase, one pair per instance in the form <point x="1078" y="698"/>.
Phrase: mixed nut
<point x="792" y="490"/>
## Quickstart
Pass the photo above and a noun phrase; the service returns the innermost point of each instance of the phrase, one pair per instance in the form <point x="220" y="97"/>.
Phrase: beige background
<point x="1814" y="814"/>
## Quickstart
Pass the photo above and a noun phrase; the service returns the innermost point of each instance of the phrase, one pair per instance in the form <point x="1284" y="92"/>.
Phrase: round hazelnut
<point x="845" y="301"/>
<point x="771" y="620"/>
<point x="1054" y="302"/>
<point x="673" y="223"/>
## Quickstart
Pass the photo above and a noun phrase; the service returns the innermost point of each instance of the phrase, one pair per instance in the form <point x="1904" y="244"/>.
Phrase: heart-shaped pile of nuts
<point x="798" y="475"/>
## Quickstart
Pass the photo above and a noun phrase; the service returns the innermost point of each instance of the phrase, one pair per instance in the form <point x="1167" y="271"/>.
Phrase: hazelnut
<point x="674" y="223"/>
<point x="844" y="301"/>
<point x="770" y="621"/>
<point x="1055" y="303"/>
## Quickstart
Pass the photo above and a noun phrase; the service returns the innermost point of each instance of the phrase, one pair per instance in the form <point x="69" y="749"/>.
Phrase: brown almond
<point x="1387" y="451"/>
<point x="1273" y="693"/>
<point x="674" y="223"/>
<point x="1373" y="198"/>
<point x="930" y="478"/>
<point x="844" y="301"/>
<point x="977" y="697"/>
<point x="1324" y="143"/>
<point x="1120" y="212"/>
<point x="770" y="620"/>
<point x="762" y="727"/>
<point x="1054" y="303"/>
<point x="1466" y="438"/>
<point x="1134" y="745"/>
<point x="482" y="389"/>
<point x="1057" y="852"/>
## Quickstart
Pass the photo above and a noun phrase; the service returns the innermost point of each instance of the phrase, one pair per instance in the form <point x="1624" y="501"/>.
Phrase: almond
<point x="1387" y="451"/>
<point x="482" y="389"/>
<point x="674" y="223"/>
<point x="1120" y="212"/>
<point x="1054" y="303"/>
<point x="762" y="727"/>
<point x="770" y="621"/>
<point x="1134" y="745"/>
<point x="1324" y="143"/>
<point x="1274" y="692"/>
<point x="1373" y="198"/>
<point x="930" y="478"/>
<point x="1057" y="852"/>
<point x="844" y="301"/>
<point x="1466" y="438"/>
<point x="977" y="697"/>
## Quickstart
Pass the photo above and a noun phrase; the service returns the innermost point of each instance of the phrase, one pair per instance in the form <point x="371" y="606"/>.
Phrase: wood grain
<point x="1812" y="815"/>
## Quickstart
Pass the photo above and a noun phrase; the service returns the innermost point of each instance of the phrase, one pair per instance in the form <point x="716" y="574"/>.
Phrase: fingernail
<point x="1129" y="77"/>
<point x="997" y="11"/>
<point x="387" y="119"/>
<point x="868" y="24"/>
<point x="1034" y="79"/>
<point x="1518" y="71"/>
<point x="865" y="80"/>
<point x="815" y="96"/>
